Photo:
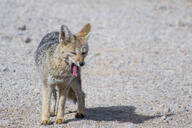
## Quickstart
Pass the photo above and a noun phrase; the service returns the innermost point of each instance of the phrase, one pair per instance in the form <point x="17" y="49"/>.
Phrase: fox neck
<point x="58" y="62"/>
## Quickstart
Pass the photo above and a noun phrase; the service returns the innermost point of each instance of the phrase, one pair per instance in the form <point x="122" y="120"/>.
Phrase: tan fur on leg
<point x="53" y="102"/>
<point x="76" y="86"/>
<point x="60" y="112"/>
<point x="46" y="92"/>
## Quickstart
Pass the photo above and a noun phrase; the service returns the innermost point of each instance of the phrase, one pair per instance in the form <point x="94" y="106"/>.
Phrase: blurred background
<point x="137" y="74"/>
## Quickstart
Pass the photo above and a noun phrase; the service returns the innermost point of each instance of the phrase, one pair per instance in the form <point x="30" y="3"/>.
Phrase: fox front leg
<point x="53" y="102"/>
<point x="46" y="93"/>
<point x="61" y="105"/>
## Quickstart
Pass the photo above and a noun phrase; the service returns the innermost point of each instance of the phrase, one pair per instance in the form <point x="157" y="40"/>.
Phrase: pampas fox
<point x="58" y="57"/>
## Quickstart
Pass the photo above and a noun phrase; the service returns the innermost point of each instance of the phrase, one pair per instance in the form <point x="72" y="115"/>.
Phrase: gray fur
<point x="47" y="46"/>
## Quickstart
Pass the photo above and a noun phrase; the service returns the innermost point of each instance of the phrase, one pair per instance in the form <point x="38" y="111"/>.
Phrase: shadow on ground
<point x="116" y="113"/>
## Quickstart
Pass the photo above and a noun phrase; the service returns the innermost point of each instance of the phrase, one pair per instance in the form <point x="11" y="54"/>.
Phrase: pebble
<point x="5" y="69"/>
<point x="168" y="111"/>
<point x="97" y="54"/>
<point x="27" y="40"/>
<point x="22" y="28"/>
<point x="164" y="117"/>
<point x="13" y="83"/>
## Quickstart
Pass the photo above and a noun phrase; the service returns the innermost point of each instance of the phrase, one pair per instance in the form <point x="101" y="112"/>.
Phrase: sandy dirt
<point x="138" y="72"/>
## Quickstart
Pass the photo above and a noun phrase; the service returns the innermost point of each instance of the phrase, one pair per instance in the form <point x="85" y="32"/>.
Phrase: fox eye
<point x="84" y="51"/>
<point x="74" y="53"/>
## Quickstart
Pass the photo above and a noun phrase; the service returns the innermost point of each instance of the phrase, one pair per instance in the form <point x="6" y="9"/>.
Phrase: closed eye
<point x="74" y="53"/>
<point x="84" y="53"/>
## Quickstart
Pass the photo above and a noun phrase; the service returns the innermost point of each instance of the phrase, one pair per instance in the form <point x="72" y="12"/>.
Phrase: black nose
<point x="81" y="63"/>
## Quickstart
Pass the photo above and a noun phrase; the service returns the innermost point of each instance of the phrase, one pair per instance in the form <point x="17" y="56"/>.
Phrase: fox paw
<point x="52" y="114"/>
<point x="46" y="122"/>
<point x="79" y="115"/>
<point x="60" y="120"/>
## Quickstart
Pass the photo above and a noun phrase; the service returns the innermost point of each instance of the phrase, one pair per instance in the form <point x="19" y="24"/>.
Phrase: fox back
<point x="46" y="47"/>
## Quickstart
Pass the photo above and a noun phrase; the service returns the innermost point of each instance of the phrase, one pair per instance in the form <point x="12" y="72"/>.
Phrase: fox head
<point x="74" y="48"/>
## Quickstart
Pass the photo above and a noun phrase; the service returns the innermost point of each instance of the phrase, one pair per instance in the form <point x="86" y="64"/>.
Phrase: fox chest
<point x="59" y="76"/>
<point x="54" y="80"/>
<point x="58" y="79"/>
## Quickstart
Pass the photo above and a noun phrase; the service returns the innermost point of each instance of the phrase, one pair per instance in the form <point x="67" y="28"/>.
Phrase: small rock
<point x="168" y="111"/>
<point x="97" y="54"/>
<point x="166" y="121"/>
<point x="70" y="111"/>
<point x="5" y="69"/>
<point x="22" y="28"/>
<point x="185" y="108"/>
<point x="35" y="91"/>
<point x="27" y="40"/>
<point x="13" y="83"/>
<point x="157" y="113"/>
<point x="164" y="117"/>
<point x="156" y="52"/>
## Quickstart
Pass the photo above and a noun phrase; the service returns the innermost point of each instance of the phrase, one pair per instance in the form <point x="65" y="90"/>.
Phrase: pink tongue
<point x="74" y="71"/>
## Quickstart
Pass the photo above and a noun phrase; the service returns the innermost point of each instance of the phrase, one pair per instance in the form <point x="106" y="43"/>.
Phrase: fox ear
<point x="84" y="31"/>
<point x="65" y="36"/>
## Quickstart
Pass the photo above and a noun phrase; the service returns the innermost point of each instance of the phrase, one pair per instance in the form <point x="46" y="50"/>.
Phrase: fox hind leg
<point x="76" y="86"/>
<point x="81" y="104"/>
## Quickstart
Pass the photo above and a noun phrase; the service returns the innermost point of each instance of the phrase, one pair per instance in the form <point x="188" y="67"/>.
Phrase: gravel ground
<point x="137" y="74"/>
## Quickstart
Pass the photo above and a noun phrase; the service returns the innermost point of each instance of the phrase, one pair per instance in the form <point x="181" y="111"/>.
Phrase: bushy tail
<point x="72" y="95"/>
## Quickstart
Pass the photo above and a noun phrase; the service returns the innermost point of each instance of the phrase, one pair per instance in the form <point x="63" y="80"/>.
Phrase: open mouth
<point x="74" y="69"/>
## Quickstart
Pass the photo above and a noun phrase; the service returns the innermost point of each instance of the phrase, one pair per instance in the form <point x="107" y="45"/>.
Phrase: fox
<point x="59" y="58"/>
